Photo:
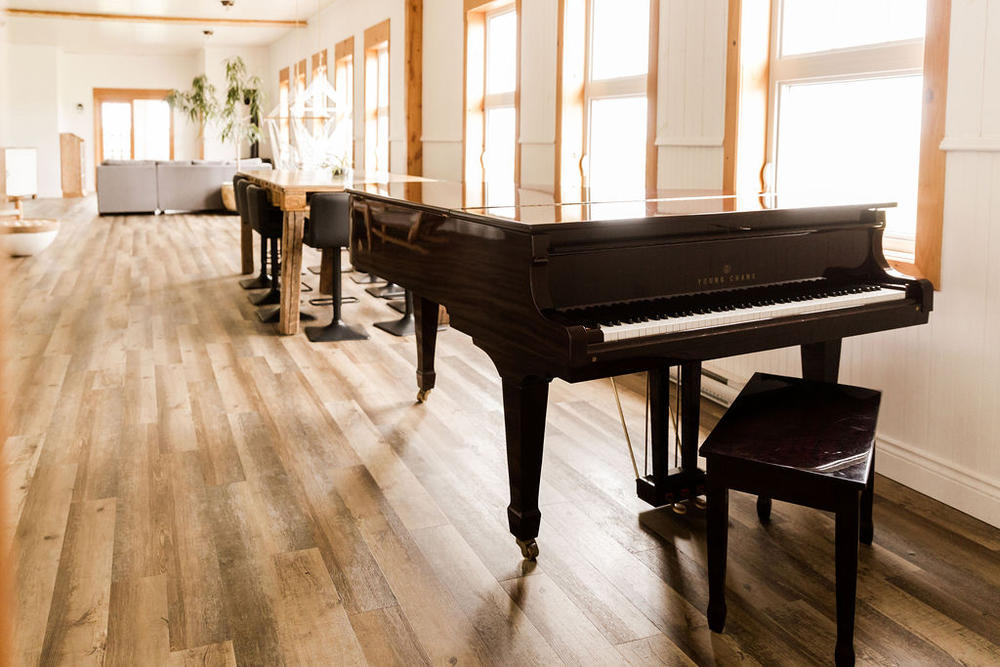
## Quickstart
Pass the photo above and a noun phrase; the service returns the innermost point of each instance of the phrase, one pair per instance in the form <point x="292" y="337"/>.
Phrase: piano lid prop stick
<point x="621" y="415"/>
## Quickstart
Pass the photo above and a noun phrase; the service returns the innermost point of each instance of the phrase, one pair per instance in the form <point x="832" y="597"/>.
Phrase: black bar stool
<point x="804" y="442"/>
<point x="328" y="228"/>
<point x="240" y="184"/>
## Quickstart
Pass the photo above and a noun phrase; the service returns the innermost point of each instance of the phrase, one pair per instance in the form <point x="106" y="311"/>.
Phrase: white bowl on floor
<point x="22" y="238"/>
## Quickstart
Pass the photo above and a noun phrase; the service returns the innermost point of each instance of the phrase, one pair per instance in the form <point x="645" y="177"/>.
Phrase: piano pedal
<point x="680" y="507"/>
<point x="700" y="502"/>
<point x="529" y="548"/>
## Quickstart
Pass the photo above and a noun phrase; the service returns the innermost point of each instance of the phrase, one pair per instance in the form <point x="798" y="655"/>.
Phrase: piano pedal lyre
<point x="529" y="548"/>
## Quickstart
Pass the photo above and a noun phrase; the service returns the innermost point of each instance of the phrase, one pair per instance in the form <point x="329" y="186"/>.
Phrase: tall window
<point x="319" y="72"/>
<point x="491" y="98"/>
<point x="343" y="83"/>
<point x="845" y="106"/>
<point x="284" y="102"/>
<point x="607" y="93"/>
<point x="133" y="124"/>
<point x="377" y="97"/>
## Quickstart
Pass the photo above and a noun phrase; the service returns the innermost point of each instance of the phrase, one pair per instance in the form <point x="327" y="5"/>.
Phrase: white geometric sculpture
<point x="318" y="139"/>
<point x="282" y="152"/>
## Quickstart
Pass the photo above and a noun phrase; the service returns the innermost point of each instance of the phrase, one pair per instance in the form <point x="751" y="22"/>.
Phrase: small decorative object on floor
<point x="22" y="238"/>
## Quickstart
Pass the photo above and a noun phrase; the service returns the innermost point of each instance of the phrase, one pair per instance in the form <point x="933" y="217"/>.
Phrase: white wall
<point x="32" y="109"/>
<point x="337" y="22"/>
<point x="80" y="73"/>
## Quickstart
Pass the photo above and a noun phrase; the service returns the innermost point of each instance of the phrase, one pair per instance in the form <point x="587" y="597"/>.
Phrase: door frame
<point x="102" y="95"/>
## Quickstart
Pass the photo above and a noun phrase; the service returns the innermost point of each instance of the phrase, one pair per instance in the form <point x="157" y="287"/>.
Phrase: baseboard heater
<point x="717" y="385"/>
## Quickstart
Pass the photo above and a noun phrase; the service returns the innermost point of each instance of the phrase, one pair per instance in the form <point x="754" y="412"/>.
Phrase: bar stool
<point x="328" y="228"/>
<point x="804" y="442"/>
<point x="240" y="184"/>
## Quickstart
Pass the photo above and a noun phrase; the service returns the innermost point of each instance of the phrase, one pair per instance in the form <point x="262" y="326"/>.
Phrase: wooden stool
<point x="803" y="442"/>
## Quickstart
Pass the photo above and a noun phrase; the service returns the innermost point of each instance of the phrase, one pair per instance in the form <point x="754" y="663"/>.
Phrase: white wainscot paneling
<point x="689" y="167"/>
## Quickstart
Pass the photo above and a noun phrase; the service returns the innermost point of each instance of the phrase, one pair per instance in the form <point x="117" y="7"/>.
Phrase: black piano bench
<point x="804" y="442"/>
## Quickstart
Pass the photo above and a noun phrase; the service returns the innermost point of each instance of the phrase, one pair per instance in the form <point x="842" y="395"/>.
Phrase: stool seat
<point x="812" y="428"/>
<point x="804" y="442"/>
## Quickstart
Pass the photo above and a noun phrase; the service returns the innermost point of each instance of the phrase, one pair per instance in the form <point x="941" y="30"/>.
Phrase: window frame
<point x="477" y="102"/>
<point x="343" y="61"/>
<point x="747" y="132"/>
<point x="376" y="41"/>
<point x="284" y="105"/>
<point x="129" y="95"/>
<point x="855" y="63"/>
<point x="575" y="91"/>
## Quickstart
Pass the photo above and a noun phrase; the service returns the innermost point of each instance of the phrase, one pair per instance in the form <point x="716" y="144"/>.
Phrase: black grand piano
<point x="592" y="289"/>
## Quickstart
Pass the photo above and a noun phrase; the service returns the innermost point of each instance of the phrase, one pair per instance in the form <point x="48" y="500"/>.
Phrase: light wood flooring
<point x="188" y="488"/>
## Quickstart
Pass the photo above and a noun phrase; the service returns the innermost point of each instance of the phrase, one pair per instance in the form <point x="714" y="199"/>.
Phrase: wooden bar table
<point x="290" y="190"/>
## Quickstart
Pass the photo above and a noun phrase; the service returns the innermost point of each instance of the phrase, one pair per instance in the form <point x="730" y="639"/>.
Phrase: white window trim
<point x="626" y="86"/>
<point x="870" y="61"/>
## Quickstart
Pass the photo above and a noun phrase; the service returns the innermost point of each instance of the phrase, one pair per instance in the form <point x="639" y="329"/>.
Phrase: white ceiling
<point x="131" y="37"/>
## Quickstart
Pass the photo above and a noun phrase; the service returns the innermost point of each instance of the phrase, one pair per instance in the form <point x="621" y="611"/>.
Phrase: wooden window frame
<point x="284" y="107"/>
<point x="376" y="39"/>
<point x="102" y="95"/>
<point x="477" y="13"/>
<point x="573" y="62"/>
<point x="746" y="120"/>
<point x="343" y="58"/>
<point x="319" y="64"/>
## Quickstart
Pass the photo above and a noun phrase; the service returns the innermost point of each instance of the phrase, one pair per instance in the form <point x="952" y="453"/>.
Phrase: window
<point x="491" y="123"/>
<point x="607" y="97"/>
<point x="377" y="97"/>
<point x="846" y="82"/>
<point x="343" y="83"/>
<point x="133" y="125"/>
<point x="318" y="73"/>
<point x="284" y="105"/>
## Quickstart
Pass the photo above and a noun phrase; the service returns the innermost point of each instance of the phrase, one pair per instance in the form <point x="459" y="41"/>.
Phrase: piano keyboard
<point x="720" y="309"/>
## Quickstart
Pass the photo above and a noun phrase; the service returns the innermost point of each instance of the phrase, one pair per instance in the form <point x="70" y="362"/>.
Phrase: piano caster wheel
<point x="700" y="502"/>
<point x="529" y="549"/>
<point x="680" y="508"/>
<point x="422" y="395"/>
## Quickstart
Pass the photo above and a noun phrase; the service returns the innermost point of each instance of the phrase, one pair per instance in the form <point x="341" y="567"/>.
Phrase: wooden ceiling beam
<point x="149" y="18"/>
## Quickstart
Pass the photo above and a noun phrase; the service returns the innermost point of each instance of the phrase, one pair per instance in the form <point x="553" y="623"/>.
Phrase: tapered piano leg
<point x="821" y="361"/>
<point x="524" y="404"/>
<point x="425" y="313"/>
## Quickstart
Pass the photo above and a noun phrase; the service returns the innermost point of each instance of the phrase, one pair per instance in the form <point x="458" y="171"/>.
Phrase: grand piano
<point x="582" y="288"/>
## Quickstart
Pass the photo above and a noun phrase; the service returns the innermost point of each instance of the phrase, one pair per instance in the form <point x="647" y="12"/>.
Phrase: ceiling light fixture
<point x="207" y="32"/>
<point x="228" y="4"/>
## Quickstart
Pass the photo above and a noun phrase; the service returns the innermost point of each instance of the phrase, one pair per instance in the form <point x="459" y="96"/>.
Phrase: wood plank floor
<point x="189" y="488"/>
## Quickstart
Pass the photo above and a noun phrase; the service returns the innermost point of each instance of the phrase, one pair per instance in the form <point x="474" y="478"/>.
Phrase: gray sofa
<point x="146" y="186"/>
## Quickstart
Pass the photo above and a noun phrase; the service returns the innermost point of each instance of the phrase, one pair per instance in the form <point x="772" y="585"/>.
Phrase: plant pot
<point x="22" y="238"/>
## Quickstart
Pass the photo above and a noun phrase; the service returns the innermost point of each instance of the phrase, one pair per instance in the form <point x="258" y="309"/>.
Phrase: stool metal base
<point x="404" y="326"/>
<point x="267" y="299"/>
<point x="366" y="279"/>
<point x="255" y="283"/>
<point x="335" y="331"/>
<point x="273" y="315"/>
<point x="387" y="291"/>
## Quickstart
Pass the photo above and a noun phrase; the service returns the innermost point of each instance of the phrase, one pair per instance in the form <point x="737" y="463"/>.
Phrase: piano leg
<point x="667" y="486"/>
<point x="524" y="404"/>
<point x="425" y="312"/>
<point x="821" y="361"/>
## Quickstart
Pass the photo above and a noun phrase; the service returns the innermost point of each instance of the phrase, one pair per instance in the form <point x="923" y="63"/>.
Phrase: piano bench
<point x="804" y="442"/>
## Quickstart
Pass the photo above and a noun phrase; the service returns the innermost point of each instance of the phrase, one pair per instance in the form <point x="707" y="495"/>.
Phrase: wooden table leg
<point x="291" y="271"/>
<point x="246" y="248"/>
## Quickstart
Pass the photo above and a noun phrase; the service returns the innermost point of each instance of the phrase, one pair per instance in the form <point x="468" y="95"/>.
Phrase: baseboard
<point x="953" y="485"/>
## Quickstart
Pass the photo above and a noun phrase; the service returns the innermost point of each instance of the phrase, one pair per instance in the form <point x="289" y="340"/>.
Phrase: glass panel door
<point x="152" y="130"/>
<point x="116" y="130"/>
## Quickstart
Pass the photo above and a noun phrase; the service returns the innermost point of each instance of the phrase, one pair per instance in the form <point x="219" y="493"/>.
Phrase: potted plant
<point x="198" y="104"/>
<point x="243" y="91"/>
